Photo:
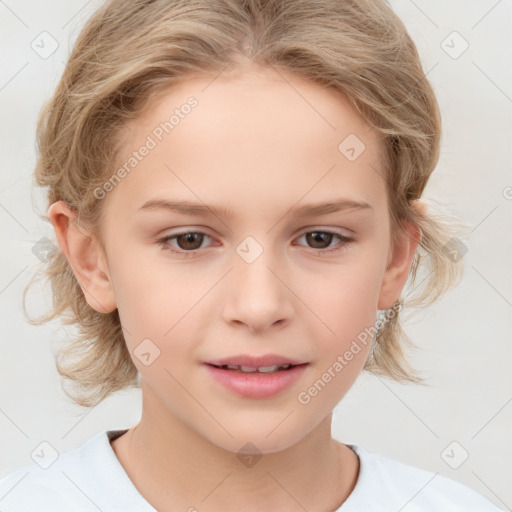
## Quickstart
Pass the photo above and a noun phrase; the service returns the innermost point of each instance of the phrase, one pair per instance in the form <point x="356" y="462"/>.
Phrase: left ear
<point x="400" y="261"/>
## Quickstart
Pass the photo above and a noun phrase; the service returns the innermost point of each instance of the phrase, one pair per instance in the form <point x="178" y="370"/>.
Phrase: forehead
<point x="260" y="134"/>
<point x="269" y="102"/>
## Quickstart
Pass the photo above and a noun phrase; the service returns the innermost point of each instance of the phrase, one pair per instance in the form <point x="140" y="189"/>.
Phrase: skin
<point x="259" y="143"/>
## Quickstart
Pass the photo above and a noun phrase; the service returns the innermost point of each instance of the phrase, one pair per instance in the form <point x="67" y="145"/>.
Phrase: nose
<point x="257" y="296"/>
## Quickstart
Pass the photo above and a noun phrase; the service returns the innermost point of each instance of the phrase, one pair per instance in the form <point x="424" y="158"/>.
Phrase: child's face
<point x="258" y="146"/>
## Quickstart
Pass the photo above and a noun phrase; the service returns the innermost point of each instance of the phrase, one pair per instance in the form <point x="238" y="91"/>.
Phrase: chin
<point x="267" y="437"/>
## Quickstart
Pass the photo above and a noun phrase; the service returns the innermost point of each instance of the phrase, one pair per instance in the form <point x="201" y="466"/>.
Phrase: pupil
<point x="189" y="238"/>
<point x="317" y="236"/>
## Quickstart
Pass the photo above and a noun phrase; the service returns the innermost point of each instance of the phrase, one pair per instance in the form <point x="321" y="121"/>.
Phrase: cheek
<point x="158" y="305"/>
<point x="153" y="293"/>
<point x="344" y="296"/>
<point x="347" y="307"/>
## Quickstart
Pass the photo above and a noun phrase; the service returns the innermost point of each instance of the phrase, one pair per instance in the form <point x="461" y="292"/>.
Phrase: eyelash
<point x="164" y="242"/>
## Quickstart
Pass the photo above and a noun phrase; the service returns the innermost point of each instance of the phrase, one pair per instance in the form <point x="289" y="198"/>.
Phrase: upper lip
<point x="255" y="361"/>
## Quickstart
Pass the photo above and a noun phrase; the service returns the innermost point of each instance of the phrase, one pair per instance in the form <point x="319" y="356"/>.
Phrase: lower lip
<point x="256" y="385"/>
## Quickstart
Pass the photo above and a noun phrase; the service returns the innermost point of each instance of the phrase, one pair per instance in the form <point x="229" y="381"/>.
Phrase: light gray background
<point x="465" y="338"/>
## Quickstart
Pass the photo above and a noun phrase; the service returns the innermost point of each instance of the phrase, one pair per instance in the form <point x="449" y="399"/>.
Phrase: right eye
<point x="188" y="242"/>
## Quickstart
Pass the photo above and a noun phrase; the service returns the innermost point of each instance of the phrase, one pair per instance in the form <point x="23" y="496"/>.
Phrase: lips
<point x="256" y="376"/>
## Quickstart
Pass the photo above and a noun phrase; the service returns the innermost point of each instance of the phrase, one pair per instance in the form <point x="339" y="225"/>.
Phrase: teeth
<point x="248" y="369"/>
<point x="267" y="369"/>
<point x="259" y="369"/>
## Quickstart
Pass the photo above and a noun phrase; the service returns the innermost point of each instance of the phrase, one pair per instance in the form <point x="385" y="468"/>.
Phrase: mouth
<point x="257" y="369"/>
<point x="246" y="362"/>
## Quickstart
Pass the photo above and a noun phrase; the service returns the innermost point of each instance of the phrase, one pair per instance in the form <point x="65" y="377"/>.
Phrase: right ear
<point x="85" y="256"/>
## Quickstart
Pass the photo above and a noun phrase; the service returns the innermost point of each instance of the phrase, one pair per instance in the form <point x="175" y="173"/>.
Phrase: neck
<point x="174" y="468"/>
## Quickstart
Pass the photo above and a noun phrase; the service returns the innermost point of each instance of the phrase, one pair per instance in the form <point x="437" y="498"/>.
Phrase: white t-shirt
<point x="90" y="478"/>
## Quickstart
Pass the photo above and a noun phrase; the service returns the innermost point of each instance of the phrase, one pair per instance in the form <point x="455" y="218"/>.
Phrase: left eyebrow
<point x="306" y="210"/>
<point x="340" y="205"/>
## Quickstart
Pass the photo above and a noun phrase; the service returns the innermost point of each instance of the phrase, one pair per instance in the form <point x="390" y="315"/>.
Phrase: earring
<point x="386" y="316"/>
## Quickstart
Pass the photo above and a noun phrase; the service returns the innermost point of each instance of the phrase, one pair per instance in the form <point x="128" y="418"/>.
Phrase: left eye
<point x="190" y="241"/>
<point x="319" y="238"/>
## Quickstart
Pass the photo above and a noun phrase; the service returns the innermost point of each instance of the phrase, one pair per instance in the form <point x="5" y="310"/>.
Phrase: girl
<point x="235" y="190"/>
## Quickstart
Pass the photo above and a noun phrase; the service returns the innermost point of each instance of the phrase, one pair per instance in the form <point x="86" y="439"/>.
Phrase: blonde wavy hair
<point x="129" y="51"/>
